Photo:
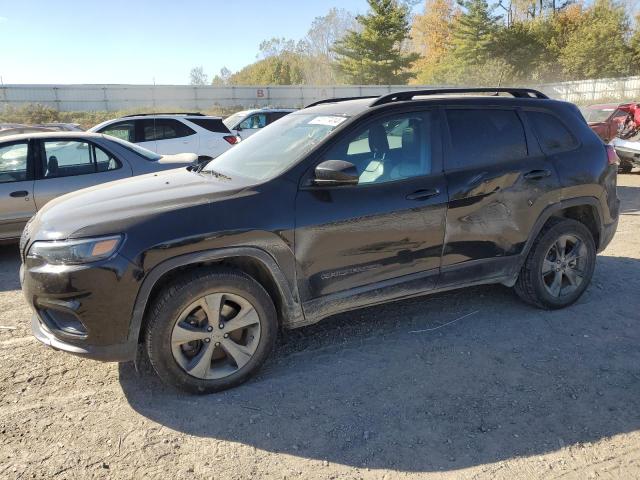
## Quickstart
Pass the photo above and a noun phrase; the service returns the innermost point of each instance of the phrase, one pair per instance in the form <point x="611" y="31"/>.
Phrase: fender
<point x="292" y="310"/>
<point x="546" y="214"/>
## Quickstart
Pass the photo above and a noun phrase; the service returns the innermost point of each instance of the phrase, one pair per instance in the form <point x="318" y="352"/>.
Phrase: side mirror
<point x="336" y="172"/>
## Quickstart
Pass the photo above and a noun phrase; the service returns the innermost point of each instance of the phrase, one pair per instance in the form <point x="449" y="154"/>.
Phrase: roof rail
<point x="336" y="100"/>
<point x="409" y="94"/>
<point x="189" y="114"/>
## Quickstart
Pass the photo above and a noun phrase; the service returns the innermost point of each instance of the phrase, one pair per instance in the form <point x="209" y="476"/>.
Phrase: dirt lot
<point x="505" y="392"/>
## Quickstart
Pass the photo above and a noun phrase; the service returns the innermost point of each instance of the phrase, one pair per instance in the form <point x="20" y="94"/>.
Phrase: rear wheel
<point x="559" y="266"/>
<point x="210" y="331"/>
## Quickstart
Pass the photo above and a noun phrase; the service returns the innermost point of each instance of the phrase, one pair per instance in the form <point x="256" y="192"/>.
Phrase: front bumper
<point x="629" y="155"/>
<point x="123" y="352"/>
<point x="85" y="310"/>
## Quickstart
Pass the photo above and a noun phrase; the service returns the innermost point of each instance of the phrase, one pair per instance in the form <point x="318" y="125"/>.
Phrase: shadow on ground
<point x="629" y="198"/>
<point x="380" y="388"/>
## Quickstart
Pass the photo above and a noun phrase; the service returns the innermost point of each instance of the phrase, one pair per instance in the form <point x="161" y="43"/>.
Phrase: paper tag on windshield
<point x="332" y="121"/>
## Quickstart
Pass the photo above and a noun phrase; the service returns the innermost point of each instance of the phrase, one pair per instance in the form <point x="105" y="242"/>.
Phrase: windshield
<point x="233" y="120"/>
<point x="147" y="154"/>
<point x="276" y="147"/>
<point x="597" y="114"/>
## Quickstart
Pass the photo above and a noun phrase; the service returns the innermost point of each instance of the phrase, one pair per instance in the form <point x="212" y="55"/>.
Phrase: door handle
<point x="537" y="174"/>
<point x="423" y="194"/>
<point x="19" y="193"/>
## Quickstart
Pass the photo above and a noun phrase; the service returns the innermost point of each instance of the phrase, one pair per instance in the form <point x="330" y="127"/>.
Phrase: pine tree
<point x="474" y="32"/>
<point x="375" y="55"/>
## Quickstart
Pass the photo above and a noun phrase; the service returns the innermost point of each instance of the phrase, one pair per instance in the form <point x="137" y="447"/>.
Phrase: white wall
<point x="191" y="98"/>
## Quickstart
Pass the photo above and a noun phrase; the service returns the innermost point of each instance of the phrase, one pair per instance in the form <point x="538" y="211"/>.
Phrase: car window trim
<point x="448" y="142"/>
<point x="356" y="123"/>
<point x="39" y="170"/>
<point x="29" y="168"/>
<point x="577" y="142"/>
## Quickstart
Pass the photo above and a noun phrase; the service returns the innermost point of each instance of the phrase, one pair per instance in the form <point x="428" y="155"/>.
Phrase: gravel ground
<point x="503" y="391"/>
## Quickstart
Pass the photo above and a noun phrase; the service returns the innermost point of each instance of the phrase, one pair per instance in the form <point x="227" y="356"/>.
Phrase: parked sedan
<point x="37" y="167"/>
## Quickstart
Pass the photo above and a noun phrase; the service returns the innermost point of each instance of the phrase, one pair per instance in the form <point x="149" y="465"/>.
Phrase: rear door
<point x="172" y="136"/>
<point x="66" y="165"/>
<point x="499" y="182"/>
<point x="16" y="187"/>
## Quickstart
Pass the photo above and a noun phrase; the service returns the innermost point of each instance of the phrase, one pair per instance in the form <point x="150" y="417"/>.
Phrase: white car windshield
<point x="233" y="120"/>
<point x="276" y="147"/>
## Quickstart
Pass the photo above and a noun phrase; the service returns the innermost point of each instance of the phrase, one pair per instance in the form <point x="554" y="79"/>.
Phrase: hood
<point x="111" y="207"/>
<point x="178" y="159"/>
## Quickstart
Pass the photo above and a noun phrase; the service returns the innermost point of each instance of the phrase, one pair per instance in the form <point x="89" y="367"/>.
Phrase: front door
<point x="16" y="188"/>
<point x="388" y="227"/>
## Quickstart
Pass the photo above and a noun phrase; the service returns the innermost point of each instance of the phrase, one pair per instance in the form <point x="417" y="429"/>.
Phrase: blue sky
<point x="137" y="41"/>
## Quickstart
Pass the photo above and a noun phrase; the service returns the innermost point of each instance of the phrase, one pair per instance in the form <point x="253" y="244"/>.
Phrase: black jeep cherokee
<point x="344" y="204"/>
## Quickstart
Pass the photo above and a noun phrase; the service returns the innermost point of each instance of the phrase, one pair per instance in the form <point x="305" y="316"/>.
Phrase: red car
<point x="607" y="120"/>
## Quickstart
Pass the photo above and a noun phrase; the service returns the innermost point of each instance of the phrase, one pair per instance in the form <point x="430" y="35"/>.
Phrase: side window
<point x="164" y="129"/>
<point x="552" y="134"/>
<point x="273" y="116"/>
<point x="122" y="130"/>
<point x="13" y="162"/>
<point x="104" y="161"/>
<point x="64" y="158"/>
<point x="481" y="137"/>
<point x="391" y="148"/>
<point x="258" y="120"/>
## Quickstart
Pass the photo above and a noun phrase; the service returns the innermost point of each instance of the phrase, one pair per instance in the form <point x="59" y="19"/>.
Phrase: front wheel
<point x="559" y="266"/>
<point x="210" y="330"/>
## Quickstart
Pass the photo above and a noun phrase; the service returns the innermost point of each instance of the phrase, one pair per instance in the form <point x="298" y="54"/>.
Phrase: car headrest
<point x="378" y="141"/>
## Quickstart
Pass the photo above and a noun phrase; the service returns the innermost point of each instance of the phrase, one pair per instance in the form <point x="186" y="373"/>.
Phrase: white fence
<point x="184" y="97"/>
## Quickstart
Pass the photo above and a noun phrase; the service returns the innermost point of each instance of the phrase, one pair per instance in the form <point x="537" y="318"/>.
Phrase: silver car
<point x="38" y="167"/>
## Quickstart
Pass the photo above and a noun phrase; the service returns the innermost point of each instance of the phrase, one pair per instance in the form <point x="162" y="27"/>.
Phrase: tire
<point x="198" y="355"/>
<point x="537" y="281"/>
<point x="625" y="167"/>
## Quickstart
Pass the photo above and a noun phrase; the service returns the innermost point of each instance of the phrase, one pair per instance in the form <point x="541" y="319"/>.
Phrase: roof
<point x="27" y="136"/>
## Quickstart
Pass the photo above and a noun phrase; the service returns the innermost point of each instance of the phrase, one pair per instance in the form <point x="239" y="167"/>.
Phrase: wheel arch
<point x="586" y="210"/>
<point x="253" y="261"/>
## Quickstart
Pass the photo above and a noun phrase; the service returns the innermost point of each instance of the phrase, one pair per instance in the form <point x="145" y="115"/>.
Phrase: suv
<point x="248" y="122"/>
<point x="341" y="205"/>
<point x="171" y="133"/>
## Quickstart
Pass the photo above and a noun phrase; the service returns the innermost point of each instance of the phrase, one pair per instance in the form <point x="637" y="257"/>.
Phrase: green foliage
<point x="474" y="33"/>
<point x="286" y="68"/>
<point x="375" y="55"/>
<point x="598" y="46"/>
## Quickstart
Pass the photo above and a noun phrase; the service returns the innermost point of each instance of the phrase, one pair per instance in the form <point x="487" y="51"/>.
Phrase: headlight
<point x="74" y="252"/>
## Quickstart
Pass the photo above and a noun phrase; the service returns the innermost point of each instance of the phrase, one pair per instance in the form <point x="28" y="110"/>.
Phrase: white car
<point x="247" y="122"/>
<point x="171" y="133"/>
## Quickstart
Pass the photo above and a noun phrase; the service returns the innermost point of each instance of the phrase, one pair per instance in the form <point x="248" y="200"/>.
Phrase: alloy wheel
<point x="564" y="266"/>
<point x="216" y="336"/>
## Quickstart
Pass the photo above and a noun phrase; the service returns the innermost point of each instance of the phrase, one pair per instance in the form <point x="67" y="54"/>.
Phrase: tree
<point x="222" y="78"/>
<point x="474" y="32"/>
<point x="198" y="77"/>
<point x="431" y="37"/>
<point x="597" y="47"/>
<point x="284" y="69"/>
<point x="376" y="54"/>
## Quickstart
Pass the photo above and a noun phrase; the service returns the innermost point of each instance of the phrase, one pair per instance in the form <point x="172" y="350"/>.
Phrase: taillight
<point x="612" y="156"/>
<point x="232" y="139"/>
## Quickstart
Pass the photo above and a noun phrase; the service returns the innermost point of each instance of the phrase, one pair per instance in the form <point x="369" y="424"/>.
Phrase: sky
<point x="144" y="41"/>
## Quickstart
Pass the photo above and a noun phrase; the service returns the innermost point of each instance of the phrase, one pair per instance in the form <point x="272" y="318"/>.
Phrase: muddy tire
<point x="210" y="330"/>
<point x="559" y="266"/>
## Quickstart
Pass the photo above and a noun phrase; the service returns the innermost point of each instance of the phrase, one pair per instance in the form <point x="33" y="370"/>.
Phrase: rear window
<point x="553" y="135"/>
<point x="211" y="124"/>
<point x="481" y="137"/>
